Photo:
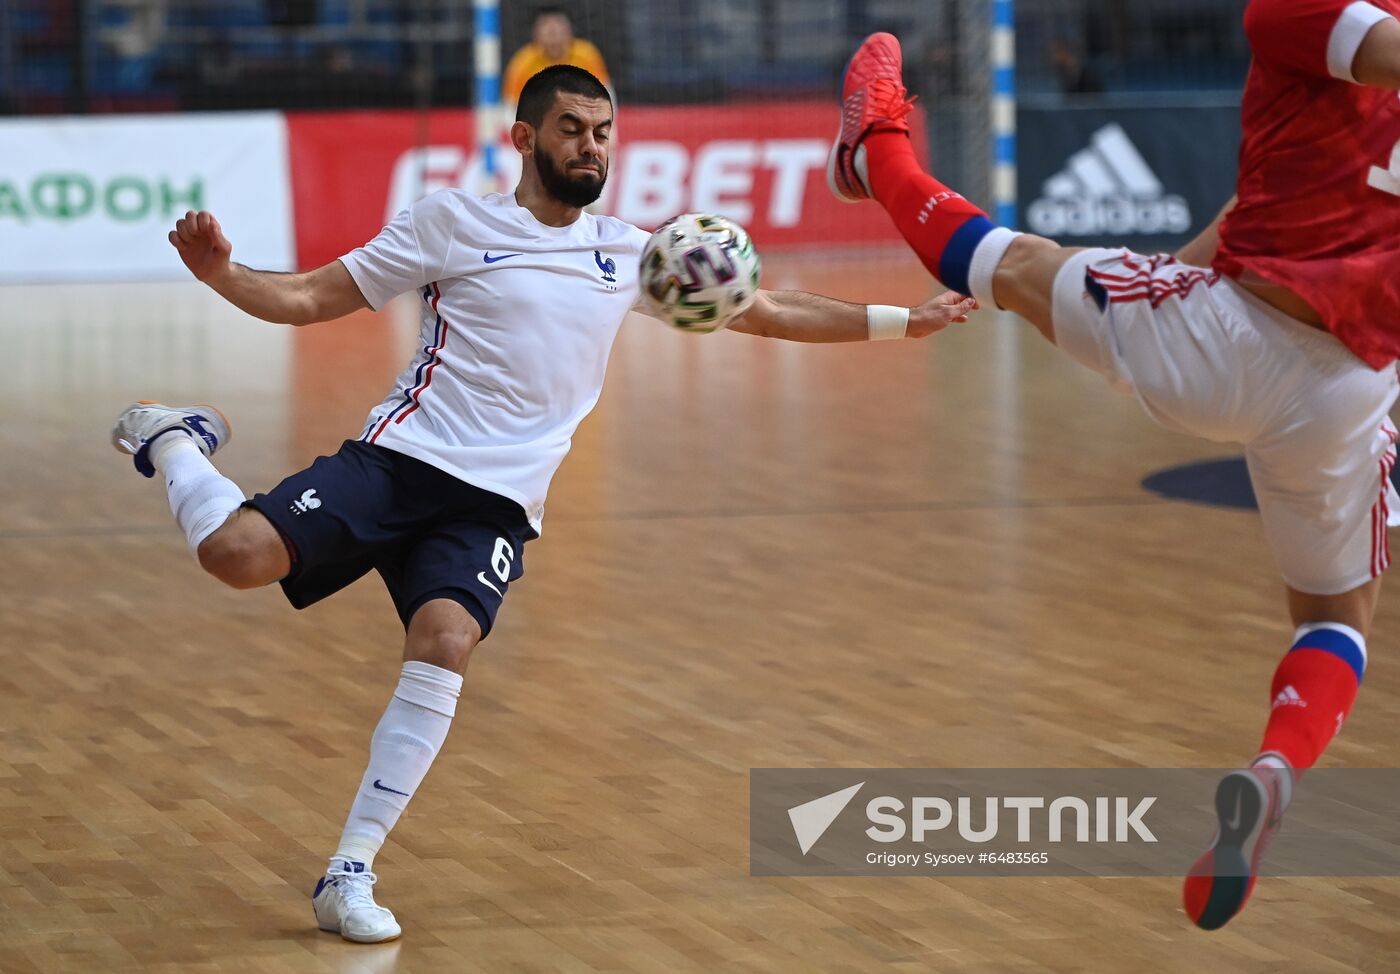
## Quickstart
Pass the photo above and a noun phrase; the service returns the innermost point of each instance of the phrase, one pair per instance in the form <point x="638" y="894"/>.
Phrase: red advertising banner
<point x="763" y="164"/>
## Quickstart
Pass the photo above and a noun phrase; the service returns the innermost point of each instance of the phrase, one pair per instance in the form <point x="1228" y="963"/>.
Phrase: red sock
<point x="942" y="227"/>
<point x="1313" y="690"/>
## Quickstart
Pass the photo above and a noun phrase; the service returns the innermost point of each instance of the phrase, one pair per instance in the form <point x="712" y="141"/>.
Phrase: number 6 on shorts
<point x="500" y="564"/>
<point x="501" y="559"/>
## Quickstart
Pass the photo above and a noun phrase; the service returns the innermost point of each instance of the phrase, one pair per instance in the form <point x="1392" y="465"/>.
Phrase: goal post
<point x="486" y="53"/>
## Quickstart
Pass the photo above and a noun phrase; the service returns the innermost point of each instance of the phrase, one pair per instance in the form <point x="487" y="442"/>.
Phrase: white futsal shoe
<point x="140" y="423"/>
<point x="344" y="904"/>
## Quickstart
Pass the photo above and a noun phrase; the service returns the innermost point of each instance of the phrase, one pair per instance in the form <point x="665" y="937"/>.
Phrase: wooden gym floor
<point x="917" y="554"/>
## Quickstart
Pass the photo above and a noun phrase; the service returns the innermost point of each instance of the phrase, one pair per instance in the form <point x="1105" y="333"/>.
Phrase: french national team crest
<point x="608" y="266"/>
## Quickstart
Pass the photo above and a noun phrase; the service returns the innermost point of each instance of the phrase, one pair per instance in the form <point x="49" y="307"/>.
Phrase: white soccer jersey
<point x="518" y="322"/>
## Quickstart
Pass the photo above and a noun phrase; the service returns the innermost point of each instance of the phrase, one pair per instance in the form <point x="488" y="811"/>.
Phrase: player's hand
<point x="202" y="245"/>
<point x="949" y="308"/>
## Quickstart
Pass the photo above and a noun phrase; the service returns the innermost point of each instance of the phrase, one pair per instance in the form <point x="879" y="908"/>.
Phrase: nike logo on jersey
<point x="395" y="791"/>
<point x="491" y="260"/>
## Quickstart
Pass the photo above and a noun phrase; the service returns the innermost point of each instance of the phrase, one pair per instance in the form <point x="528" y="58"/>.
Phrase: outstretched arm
<point x="295" y="299"/>
<point x="802" y="317"/>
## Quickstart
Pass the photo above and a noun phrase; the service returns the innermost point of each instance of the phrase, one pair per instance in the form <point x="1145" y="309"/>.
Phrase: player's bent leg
<point x="1024" y="279"/>
<point x="1321" y="473"/>
<point x="179" y="442"/>
<point x="872" y="158"/>
<point x="1312" y="694"/>
<point x="245" y="552"/>
<point x="442" y="633"/>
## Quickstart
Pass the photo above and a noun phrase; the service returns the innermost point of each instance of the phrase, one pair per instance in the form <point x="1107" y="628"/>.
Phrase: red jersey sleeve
<point x="1313" y="38"/>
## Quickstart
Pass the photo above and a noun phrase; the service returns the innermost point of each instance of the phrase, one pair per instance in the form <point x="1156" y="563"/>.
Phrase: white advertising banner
<point x="94" y="198"/>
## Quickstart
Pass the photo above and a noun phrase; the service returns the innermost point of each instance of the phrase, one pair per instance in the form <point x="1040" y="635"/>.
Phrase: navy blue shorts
<point x="428" y="534"/>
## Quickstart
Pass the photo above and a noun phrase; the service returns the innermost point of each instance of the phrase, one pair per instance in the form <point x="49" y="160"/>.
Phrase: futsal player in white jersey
<point x="521" y="297"/>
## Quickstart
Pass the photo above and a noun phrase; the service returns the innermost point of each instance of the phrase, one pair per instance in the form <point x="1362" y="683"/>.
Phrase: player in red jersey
<point x="1278" y="328"/>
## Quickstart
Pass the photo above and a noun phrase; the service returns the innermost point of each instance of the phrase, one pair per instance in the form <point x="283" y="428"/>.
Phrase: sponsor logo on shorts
<point x="308" y="501"/>
<point x="481" y="577"/>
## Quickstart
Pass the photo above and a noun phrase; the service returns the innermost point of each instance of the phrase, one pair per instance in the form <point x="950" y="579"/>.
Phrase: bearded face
<point x="576" y="181"/>
<point x="570" y="150"/>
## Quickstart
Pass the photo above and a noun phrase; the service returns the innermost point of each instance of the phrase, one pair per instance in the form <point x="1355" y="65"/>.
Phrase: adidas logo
<point x="1288" y="697"/>
<point x="1107" y="188"/>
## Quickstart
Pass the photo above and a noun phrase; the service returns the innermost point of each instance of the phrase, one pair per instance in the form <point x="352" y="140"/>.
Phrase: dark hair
<point x="537" y="97"/>
<point x="542" y="12"/>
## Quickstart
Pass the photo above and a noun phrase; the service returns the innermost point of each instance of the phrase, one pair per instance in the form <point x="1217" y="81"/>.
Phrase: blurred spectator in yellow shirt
<point x="552" y="42"/>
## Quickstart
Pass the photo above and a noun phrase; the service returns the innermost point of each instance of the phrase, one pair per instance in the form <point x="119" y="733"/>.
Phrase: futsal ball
<point x="699" y="272"/>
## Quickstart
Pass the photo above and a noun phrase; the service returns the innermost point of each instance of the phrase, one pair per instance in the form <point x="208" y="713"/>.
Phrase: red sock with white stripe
<point x="953" y="238"/>
<point x="1313" y="691"/>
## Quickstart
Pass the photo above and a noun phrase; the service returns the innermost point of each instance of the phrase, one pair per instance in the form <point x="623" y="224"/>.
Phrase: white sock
<point x="980" y="272"/>
<point x="408" y="737"/>
<point x="200" y="497"/>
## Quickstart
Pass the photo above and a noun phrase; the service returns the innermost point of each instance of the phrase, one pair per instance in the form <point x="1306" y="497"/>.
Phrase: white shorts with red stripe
<point x="1206" y="357"/>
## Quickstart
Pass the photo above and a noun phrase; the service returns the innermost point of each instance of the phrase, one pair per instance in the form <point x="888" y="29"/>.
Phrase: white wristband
<point x="886" y="323"/>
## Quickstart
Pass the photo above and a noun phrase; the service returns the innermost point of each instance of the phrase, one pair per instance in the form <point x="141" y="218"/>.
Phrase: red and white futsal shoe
<point x="873" y="99"/>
